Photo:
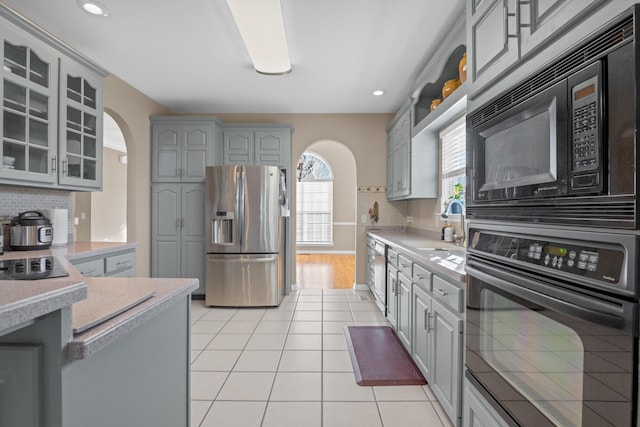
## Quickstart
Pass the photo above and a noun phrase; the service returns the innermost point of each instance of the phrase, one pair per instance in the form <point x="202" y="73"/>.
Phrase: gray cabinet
<point x="181" y="149"/>
<point x="52" y="111"/>
<point x="80" y="140"/>
<point x="501" y="32"/>
<point x="403" y="290"/>
<point x="399" y="142"/>
<point x="421" y="351"/>
<point x="392" y="295"/>
<point x="114" y="264"/>
<point x="177" y="231"/>
<point x="427" y="312"/>
<point x="476" y="410"/>
<point x="257" y="145"/>
<point x="412" y="162"/>
<point x="446" y="365"/>
<point x="21" y="385"/>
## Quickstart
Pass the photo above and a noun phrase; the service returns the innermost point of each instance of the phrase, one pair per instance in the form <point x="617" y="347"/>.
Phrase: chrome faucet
<point x="448" y="205"/>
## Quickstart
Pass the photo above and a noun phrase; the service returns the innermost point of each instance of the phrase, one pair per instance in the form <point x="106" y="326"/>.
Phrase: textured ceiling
<point x="188" y="55"/>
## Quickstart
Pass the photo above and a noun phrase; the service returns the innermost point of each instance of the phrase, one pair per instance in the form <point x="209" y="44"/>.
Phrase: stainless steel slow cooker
<point x="30" y="230"/>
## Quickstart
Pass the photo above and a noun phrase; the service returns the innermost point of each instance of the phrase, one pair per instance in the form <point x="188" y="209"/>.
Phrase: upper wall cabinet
<point x="80" y="141"/>
<point x="181" y="148"/>
<point x="29" y="113"/>
<point x="51" y="110"/>
<point x="501" y="32"/>
<point x="257" y="145"/>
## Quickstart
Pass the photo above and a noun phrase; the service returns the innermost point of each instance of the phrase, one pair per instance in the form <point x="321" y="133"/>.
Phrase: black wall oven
<point x="552" y="324"/>
<point x="564" y="138"/>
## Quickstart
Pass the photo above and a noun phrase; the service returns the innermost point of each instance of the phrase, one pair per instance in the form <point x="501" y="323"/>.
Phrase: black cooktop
<point x="33" y="268"/>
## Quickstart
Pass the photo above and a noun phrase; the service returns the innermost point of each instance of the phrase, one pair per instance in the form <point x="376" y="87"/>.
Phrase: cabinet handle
<point x="429" y="317"/>
<point x="420" y="276"/>
<point x="441" y="292"/>
<point x="426" y="320"/>
<point x="403" y="265"/>
<point x="181" y="222"/>
<point x="54" y="164"/>
<point x="64" y="166"/>
<point x="178" y="222"/>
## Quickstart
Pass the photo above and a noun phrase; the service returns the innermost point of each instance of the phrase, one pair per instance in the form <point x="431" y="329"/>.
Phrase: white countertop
<point x="445" y="258"/>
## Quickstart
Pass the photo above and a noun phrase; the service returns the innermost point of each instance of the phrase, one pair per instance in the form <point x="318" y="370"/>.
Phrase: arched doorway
<point x="103" y="215"/>
<point x="327" y="259"/>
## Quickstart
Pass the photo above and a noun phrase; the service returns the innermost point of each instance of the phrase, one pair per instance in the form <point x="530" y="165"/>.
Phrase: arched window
<point x="314" y="200"/>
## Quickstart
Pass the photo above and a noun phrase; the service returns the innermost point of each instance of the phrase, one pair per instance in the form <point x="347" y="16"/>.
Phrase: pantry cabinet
<point x="502" y="32"/>
<point x="52" y="106"/>
<point x="177" y="231"/>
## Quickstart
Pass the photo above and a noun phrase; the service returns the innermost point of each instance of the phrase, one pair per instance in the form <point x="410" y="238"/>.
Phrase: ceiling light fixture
<point x="262" y="29"/>
<point x="378" y="92"/>
<point x="93" y="7"/>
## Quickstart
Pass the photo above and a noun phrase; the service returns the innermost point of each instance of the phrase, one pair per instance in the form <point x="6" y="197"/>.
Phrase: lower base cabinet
<point x="116" y="264"/>
<point x="403" y="290"/>
<point x="476" y="410"/>
<point x="428" y="314"/>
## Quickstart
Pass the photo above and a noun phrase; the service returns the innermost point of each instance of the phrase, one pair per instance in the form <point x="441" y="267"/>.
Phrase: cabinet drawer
<point x="93" y="268"/>
<point x="125" y="273"/>
<point x="392" y="257"/>
<point x="405" y="265"/>
<point x="422" y="277"/>
<point x="120" y="262"/>
<point x="448" y="294"/>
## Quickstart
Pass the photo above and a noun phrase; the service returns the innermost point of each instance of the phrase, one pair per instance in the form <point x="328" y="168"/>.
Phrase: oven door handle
<point x="593" y="310"/>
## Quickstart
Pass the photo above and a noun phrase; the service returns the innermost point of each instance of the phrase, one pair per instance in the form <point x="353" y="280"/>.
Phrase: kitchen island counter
<point x="136" y="346"/>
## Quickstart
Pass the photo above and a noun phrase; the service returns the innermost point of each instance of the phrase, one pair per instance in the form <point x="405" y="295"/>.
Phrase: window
<point x="454" y="180"/>
<point x="314" y="201"/>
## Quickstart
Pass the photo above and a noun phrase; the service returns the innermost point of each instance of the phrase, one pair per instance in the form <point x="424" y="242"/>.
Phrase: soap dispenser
<point x="448" y="232"/>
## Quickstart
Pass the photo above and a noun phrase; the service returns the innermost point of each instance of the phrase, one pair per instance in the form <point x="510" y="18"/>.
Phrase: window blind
<point x="314" y="212"/>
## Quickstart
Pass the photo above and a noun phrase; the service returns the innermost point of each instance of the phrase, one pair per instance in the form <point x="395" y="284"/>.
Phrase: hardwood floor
<point x="325" y="271"/>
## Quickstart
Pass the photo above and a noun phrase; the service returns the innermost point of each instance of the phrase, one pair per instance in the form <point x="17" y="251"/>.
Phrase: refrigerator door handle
<point x="241" y="260"/>
<point x="242" y="205"/>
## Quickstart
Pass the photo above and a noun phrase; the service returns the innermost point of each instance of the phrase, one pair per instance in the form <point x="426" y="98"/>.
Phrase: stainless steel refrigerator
<point x="244" y="226"/>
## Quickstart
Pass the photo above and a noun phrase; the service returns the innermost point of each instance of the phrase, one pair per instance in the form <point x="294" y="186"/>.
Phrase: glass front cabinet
<point x="80" y="148"/>
<point x="29" y="111"/>
<point x="52" y="106"/>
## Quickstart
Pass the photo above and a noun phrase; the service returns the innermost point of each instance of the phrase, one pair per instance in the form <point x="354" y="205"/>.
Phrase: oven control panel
<point x="604" y="263"/>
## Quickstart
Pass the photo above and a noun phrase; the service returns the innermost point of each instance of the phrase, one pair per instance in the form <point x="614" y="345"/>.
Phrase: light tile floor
<point x="289" y="366"/>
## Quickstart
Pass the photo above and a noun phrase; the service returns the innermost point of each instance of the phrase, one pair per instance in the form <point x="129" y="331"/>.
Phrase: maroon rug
<point x="379" y="358"/>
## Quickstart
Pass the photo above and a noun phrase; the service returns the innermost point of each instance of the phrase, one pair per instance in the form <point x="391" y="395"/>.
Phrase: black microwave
<point x="560" y="147"/>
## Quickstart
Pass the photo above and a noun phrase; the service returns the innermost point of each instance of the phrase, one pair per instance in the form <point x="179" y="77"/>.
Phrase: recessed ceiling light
<point x="93" y="7"/>
<point x="378" y="92"/>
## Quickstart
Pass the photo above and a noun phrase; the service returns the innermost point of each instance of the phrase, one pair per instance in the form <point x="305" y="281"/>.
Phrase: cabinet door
<point x="541" y="20"/>
<point x="477" y="411"/>
<point x="80" y="149"/>
<point x="392" y="295"/>
<point x="21" y="385"/>
<point x="193" y="234"/>
<point x="446" y="365"/>
<point x="196" y="143"/>
<point x="404" y="310"/>
<point x="493" y="35"/>
<point x="167" y="153"/>
<point x="402" y="168"/>
<point x="165" y="230"/>
<point x="238" y="147"/>
<point x="270" y="148"/>
<point x="29" y="108"/>
<point x="421" y="307"/>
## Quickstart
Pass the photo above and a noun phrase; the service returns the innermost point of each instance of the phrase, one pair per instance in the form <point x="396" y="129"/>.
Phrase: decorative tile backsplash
<point x="15" y="200"/>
